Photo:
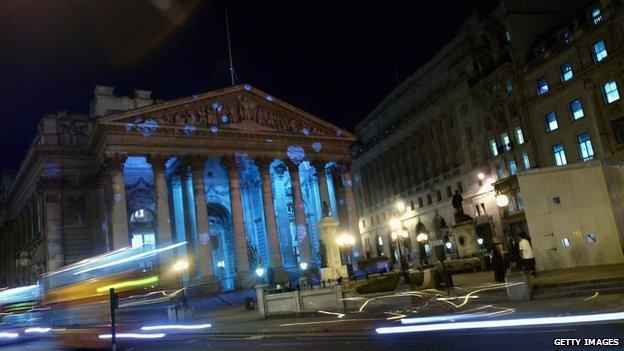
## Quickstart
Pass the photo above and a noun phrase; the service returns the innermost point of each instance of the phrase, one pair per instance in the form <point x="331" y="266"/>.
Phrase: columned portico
<point x="303" y="235"/>
<point x="238" y="175"/>
<point x="321" y="175"/>
<point x="163" y="216"/>
<point x="243" y="274"/>
<point x="264" y="163"/>
<point x="119" y="214"/>
<point x="204" y="261"/>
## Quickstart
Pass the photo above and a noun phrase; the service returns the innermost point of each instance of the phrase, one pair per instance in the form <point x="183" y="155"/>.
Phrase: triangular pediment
<point x="235" y="109"/>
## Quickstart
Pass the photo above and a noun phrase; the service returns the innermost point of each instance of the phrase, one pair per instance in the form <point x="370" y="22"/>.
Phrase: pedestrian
<point x="498" y="263"/>
<point x="526" y="254"/>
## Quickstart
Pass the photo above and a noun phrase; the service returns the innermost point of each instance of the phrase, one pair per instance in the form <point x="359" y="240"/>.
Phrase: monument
<point x="332" y="266"/>
<point x="464" y="229"/>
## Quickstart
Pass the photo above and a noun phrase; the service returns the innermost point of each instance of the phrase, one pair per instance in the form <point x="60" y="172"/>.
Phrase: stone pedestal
<point x="329" y="235"/>
<point x="465" y="234"/>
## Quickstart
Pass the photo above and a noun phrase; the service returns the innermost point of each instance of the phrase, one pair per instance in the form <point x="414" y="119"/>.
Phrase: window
<point x="460" y="187"/>
<point x="519" y="136"/>
<point x="599" y="50"/>
<point x="438" y="195"/>
<point x="519" y="200"/>
<point x="513" y="169"/>
<point x="576" y="109"/>
<point x="429" y="199"/>
<point x="542" y="85"/>
<point x="493" y="147"/>
<point x="508" y="86"/>
<point x="551" y="121"/>
<point x="586" y="151"/>
<point x="495" y="92"/>
<point x="508" y="35"/>
<point x="525" y="161"/>
<point x="610" y="91"/>
<point x="506" y="142"/>
<point x="500" y="172"/>
<point x="363" y="223"/>
<point x="420" y="202"/>
<point x="596" y="16"/>
<point x="559" y="155"/>
<point x="566" y="71"/>
<point x="449" y="191"/>
<point x="412" y="206"/>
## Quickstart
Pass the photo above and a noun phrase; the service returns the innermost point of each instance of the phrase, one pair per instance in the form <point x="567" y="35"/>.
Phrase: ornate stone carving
<point x="114" y="162"/>
<point x="157" y="161"/>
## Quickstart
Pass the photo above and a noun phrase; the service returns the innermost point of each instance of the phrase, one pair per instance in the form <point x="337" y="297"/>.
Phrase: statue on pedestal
<point x="457" y="201"/>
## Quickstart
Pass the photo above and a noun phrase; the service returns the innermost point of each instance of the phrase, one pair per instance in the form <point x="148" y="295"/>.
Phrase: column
<point x="305" y="251"/>
<point x="351" y="209"/>
<point x="53" y="225"/>
<point x="321" y="175"/>
<point x="204" y="261"/>
<point x="119" y="213"/>
<point x="243" y="275"/>
<point x="162" y="199"/>
<point x="264" y="164"/>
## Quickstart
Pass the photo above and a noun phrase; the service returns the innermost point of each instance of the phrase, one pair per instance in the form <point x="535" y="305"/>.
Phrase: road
<point x="510" y="339"/>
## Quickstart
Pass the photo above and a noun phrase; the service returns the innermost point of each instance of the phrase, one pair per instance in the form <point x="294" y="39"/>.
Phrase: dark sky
<point x="334" y="59"/>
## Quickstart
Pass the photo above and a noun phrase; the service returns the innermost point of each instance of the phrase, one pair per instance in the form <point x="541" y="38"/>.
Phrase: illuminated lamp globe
<point x="481" y="176"/>
<point x="502" y="200"/>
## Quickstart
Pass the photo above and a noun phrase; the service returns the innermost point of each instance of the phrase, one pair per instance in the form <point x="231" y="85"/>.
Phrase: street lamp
<point x="346" y="241"/>
<point x="180" y="267"/>
<point x="303" y="266"/>
<point x="259" y="272"/>
<point x="480" y="178"/>
<point x="502" y="201"/>
<point x="398" y="234"/>
<point x="400" y="205"/>
<point x="422" y="238"/>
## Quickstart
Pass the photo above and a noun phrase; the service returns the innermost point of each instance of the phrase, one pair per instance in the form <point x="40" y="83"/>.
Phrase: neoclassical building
<point x="238" y="174"/>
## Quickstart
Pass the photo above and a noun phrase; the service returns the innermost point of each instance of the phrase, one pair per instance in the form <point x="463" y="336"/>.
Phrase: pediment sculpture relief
<point x="240" y="113"/>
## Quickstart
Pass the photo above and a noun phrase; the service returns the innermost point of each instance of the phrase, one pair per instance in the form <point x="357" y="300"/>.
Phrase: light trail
<point x="133" y="336"/>
<point x="176" y="327"/>
<point x="129" y="283"/>
<point x="502" y="323"/>
<point x="7" y="335"/>
<point x="132" y="258"/>
<point x="37" y="330"/>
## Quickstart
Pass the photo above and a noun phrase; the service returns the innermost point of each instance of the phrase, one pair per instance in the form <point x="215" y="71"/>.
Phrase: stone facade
<point x="234" y="172"/>
<point x="474" y="116"/>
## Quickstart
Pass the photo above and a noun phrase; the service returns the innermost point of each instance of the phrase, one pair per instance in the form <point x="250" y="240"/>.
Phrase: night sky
<point x="336" y="60"/>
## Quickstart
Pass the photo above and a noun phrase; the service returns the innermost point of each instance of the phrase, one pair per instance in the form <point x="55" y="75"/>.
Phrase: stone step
<point x="580" y="283"/>
<point x="545" y="294"/>
<point x="600" y="285"/>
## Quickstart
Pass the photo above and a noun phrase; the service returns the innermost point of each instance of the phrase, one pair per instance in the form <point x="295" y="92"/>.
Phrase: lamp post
<point x="502" y="201"/>
<point x="180" y="267"/>
<point x="398" y="234"/>
<point x="345" y="242"/>
<point x="422" y="238"/>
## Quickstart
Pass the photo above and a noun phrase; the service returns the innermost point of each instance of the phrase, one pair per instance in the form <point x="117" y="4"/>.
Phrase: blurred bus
<point x="21" y="315"/>
<point x="79" y="295"/>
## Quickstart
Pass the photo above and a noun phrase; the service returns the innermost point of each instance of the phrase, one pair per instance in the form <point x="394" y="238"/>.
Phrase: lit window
<point x="600" y="51"/>
<point x="513" y="169"/>
<point x="505" y="141"/>
<point x="542" y="85"/>
<point x="519" y="136"/>
<point x="596" y="16"/>
<point x="508" y="86"/>
<point x="500" y="172"/>
<point x="565" y="242"/>
<point x="551" y="121"/>
<point x="586" y="151"/>
<point x="566" y="71"/>
<point x="495" y="90"/>
<point x="508" y="35"/>
<point x="525" y="160"/>
<point x="493" y="147"/>
<point x="559" y="155"/>
<point x="576" y="109"/>
<point x="610" y="91"/>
